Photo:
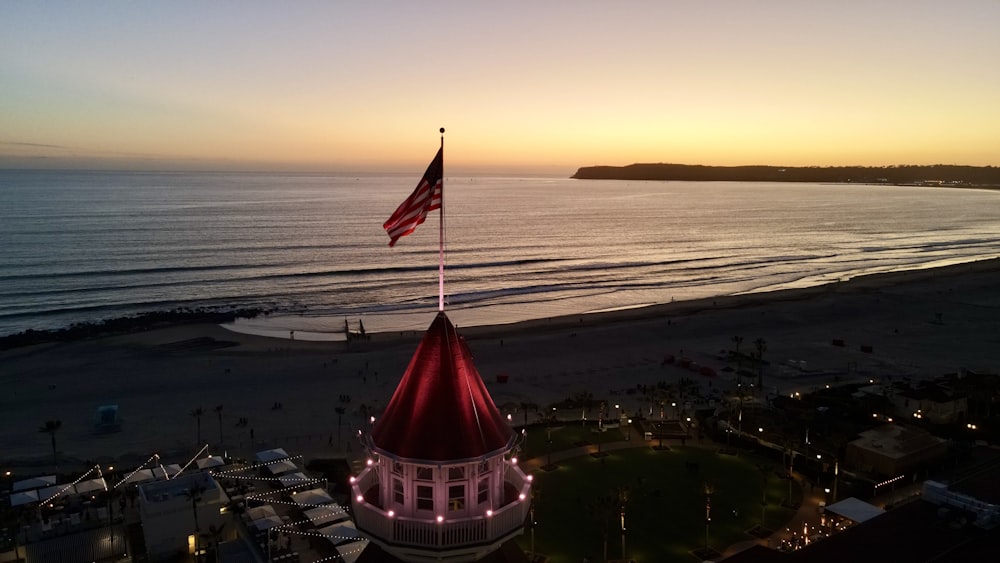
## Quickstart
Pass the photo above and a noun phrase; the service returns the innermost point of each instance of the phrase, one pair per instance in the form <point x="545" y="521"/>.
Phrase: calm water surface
<point x="84" y="246"/>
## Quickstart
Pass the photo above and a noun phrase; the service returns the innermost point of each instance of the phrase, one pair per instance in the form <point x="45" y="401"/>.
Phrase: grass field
<point x="577" y="504"/>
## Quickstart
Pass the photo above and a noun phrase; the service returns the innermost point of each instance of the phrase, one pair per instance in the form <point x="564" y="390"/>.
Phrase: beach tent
<point x="35" y="482"/>
<point x="210" y="461"/>
<point x="140" y="476"/>
<point x="258" y="512"/>
<point x="91" y="485"/>
<point x="327" y="515"/>
<point x="107" y="419"/>
<point x="297" y="478"/>
<point x="340" y="533"/>
<point x="271" y="455"/>
<point x="350" y="552"/>
<point x="313" y="497"/>
<point x="23" y="497"/>
<point x="50" y="493"/>
<point x="266" y="523"/>
<point x="167" y="470"/>
<point x="281" y="466"/>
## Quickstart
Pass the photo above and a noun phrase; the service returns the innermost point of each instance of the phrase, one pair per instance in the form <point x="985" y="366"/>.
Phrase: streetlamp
<point x="111" y="503"/>
<point x="708" y="510"/>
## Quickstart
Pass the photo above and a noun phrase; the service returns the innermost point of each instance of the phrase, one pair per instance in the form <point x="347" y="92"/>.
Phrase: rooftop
<point x="441" y="410"/>
<point x="895" y="440"/>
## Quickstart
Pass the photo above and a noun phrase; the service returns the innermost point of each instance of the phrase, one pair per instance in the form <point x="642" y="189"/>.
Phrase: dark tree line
<point x="123" y="325"/>
<point x="905" y="174"/>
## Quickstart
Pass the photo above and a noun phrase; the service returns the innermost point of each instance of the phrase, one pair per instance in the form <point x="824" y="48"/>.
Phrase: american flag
<point x="425" y="198"/>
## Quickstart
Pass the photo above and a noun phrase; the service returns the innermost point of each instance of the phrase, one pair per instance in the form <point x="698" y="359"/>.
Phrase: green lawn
<point x="567" y="436"/>
<point x="665" y="513"/>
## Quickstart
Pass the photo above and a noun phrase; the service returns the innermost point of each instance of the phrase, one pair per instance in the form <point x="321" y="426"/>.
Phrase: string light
<point x="73" y="484"/>
<point x="136" y="470"/>
<point x="256" y="466"/>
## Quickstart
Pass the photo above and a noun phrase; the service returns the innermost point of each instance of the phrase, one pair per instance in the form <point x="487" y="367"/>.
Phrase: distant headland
<point x="935" y="175"/>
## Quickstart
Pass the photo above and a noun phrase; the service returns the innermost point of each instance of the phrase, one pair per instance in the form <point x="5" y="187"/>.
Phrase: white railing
<point x="448" y="533"/>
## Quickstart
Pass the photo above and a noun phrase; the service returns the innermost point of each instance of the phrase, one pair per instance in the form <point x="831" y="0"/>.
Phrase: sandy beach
<point x="919" y="324"/>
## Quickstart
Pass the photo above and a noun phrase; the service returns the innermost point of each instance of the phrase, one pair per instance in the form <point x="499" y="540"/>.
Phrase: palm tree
<point x="215" y="535"/>
<point x="194" y="495"/>
<point x="218" y="411"/>
<point x="739" y="361"/>
<point x="600" y="426"/>
<point x="602" y="509"/>
<point x="340" y="416"/>
<point x="764" y="470"/>
<point x="623" y="497"/>
<point x="761" y="346"/>
<point x="197" y="412"/>
<point x="51" y="427"/>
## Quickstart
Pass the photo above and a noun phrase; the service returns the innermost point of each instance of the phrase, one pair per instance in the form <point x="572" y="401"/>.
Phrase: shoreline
<point x="867" y="282"/>
<point x="915" y="323"/>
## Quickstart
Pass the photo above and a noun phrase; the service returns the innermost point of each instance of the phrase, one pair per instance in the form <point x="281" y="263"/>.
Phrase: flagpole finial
<point x="442" y="130"/>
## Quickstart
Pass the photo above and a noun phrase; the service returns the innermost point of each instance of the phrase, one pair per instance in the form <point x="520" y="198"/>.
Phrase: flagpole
<point x="441" y="234"/>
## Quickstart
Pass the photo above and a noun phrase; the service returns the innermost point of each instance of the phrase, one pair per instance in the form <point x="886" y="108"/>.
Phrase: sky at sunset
<point x="522" y="87"/>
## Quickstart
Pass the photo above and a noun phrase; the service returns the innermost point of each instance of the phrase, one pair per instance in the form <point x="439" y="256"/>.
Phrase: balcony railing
<point x="448" y="533"/>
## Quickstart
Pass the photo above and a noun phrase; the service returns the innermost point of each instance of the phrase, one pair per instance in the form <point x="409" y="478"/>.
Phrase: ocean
<point x="82" y="246"/>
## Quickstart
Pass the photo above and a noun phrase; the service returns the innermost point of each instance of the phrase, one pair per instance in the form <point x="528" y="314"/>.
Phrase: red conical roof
<point x="441" y="410"/>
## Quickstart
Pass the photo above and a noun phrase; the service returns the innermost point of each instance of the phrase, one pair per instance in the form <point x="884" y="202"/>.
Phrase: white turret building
<point x="441" y="482"/>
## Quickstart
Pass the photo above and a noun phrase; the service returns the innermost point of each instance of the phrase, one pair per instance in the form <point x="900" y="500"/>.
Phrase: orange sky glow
<point x="522" y="87"/>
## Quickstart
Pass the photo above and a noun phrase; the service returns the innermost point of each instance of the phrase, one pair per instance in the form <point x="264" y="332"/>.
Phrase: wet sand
<point x="919" y="324"/>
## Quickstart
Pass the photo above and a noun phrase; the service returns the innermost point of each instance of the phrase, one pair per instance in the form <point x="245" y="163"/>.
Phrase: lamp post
<point x="111" y="503"/>
<point x="708" y="510"/>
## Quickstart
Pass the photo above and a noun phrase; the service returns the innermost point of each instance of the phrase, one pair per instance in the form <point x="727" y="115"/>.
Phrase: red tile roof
<point x="441" y="410"/>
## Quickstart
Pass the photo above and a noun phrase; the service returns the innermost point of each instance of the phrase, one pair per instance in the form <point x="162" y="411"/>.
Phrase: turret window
<point x="425" y="497"/>
<point x="456" y="473"/>
<point x="456" y="497"/>
<point x="425" y="473"/>
<point x="397" y="491"/>
<point x="483" y="491"/>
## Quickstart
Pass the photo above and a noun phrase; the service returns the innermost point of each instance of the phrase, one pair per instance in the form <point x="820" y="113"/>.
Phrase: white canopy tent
<point x="23" y="497"/>
<point x="327" y="514"/>
<point x="210" y="461"/>
<point x="91" y="485"/>
<point x="50" y="493"/>
<point x="855" y="510"/>
<point x="350" y="552"/>
<point x="271" y="455"/>
<point x="340" y="533"/>
<point x="313" y="497"/>
<point x="258" y="512"/>
<point x="281" y="466"/>
<point x="34" y="483"/>
<point x="292" y="479"/>
<point x="266" y="523"/>
<point x="167" y="471"/>
<point x="140" y="476"/>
